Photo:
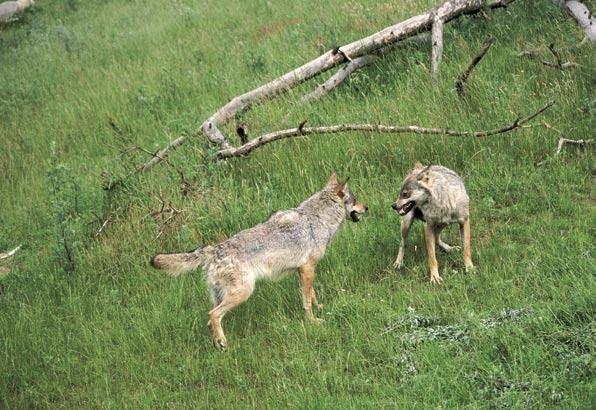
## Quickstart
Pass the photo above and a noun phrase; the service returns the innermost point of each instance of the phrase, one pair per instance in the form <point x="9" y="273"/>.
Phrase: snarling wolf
<point x="437" y="196"/>
<point x="295" y="239"/>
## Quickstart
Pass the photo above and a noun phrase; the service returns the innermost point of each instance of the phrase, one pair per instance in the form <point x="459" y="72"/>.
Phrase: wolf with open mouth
<point x="437" y="196"/>
<point x="290" y="240"/>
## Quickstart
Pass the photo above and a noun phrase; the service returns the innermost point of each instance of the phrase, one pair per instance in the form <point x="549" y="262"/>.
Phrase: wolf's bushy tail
<point x="176" y="263"/>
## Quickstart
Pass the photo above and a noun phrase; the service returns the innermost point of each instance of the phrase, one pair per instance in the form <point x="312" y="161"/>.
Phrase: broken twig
<point x="166" y="213"/>
<point x="8" y="254"/>
<point x="459" y="83"/>
<point x="103" y="226"/>
<point x="558" y="63"/>
<point x="563" y="141"/>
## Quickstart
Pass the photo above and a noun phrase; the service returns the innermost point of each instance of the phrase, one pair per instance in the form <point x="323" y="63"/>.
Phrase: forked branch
<point x="445" y="12"/>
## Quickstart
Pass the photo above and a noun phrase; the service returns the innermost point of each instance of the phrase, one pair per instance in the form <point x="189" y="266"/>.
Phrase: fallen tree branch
<point x="345" y="71"/>
<point x="459" y="83"/>
<point x="166" y="213"/>
<point x="535" y="53"/>
<point x="161" y="154"/>
<point x="447" y="11"/>
<point x="582" y="15"/>
<point x="558" y="61"/>
<point x="103" y="226"/>
<point x="437" y="47"/>
<point x="338" y="77"/>
<point x="8" y="254"/>
<point x="247" y="148"/>
<point x="563" y="141"/>
<point x="10" y="10"/>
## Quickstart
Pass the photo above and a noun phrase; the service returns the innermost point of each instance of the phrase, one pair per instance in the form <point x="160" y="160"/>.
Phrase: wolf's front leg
<point x="466" y="239"/>
<point x="315" y="301"/>
<point x="307" y="277"/>
<point x="405" y="224"/>
<point x="429" y="236"/>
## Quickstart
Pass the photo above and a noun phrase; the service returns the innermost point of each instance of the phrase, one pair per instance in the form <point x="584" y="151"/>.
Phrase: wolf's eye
<point x="405" y="195"/>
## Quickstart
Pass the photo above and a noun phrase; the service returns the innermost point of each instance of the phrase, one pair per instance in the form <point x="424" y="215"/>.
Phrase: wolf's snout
<point x="365" y="208"/>
<point x="394" y="206"/>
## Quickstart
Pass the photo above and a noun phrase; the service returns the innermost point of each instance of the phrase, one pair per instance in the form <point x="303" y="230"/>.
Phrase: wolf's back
<point x="176" y="263"/>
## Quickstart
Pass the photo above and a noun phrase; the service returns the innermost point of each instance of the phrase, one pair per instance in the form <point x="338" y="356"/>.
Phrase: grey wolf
<point x="437" y="196"/>
<point x="295" y="239"/>
<point x="10" y="9"/>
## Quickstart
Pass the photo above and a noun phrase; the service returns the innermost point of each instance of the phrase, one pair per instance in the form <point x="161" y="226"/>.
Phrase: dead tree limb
<point x="347" y="70"/>
<point x="582" y="15"/>
<point x="8" y="254"/>
<point x="103" y="226"/>
<point x="161" y="154"/>
<point x="563" y="141"/>
<point x="558" y="63"/>
<point x="10" y="10"/>
<point x="337" y="78"/>
<point x="245" y="149"/>
<point x="447" y="11"/>
<point x="459" y="83"/>
<point x="437" y="47"/>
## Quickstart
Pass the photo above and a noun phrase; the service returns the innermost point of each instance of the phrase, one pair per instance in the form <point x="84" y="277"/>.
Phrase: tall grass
<point x="104" y="78"/>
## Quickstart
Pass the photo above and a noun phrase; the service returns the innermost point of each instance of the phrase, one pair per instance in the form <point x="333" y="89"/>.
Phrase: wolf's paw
<point x="436" y="279"/>
<point x="398" y="264"/>
<point x="318" y="305"/>
<point x="470" y="269"/>
<point x="220" y="343"/>
<point x="316" y="320"/>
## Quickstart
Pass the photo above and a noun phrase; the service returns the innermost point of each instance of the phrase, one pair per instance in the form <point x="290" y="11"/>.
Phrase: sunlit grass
<point x="114" y="333"/>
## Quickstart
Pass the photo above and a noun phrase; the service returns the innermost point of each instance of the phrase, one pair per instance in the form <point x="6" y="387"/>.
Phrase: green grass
<point x="104" y="330"/>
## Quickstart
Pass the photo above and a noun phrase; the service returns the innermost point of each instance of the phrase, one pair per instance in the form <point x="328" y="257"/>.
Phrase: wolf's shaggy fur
<point x="295" y="239"/>
<point x="437" y="196"/>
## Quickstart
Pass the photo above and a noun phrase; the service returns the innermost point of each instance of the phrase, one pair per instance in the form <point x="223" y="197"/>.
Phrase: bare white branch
<point x="245" y="149"/>
<point x="8" y="254"/>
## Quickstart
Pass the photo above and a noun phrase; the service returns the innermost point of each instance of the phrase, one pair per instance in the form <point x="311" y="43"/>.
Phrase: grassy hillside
<point x="86" y="86"/>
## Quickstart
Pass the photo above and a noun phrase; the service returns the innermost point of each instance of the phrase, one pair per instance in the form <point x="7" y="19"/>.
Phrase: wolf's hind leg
<point x="464" y="229"/>
<point x="405" y="224"/>
<point x="232" y="298"/>
<point x="307" y="277"/>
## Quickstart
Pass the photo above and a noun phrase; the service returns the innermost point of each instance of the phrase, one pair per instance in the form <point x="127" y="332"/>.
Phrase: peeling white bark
<point x="8" y="254"/>
<point x="445" y="12"/>
<point x="10" y="10"/>
<point x="337" y="78"/>
<point x="437" y="47"/>
<point x="582" y="15"/>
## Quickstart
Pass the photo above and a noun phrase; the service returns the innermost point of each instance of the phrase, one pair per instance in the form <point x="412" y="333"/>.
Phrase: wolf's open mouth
<point x="405" y="208"/>
<point x="354" y="216"/>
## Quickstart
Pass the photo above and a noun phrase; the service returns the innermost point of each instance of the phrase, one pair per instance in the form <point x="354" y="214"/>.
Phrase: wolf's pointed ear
<point x="342" y="189"/>
<point x="332" y="180"/>
<point x="424" y="177"/>
<point x="418" y="165"/>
